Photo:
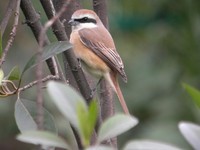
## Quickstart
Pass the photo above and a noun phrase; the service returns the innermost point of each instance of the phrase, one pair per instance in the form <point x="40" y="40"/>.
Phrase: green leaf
<point x="66" y="99"/>
<point x="14" y="74"/>
<point x="194" y="93"/>
<point x="92" y="116"/>
<point x="191" y="132"/>
<point x="116" y="125"/>
<point x="1" y="45"/>
<point x="82" y="114"/>
<point x="48" y="52"/>
<point x="100" y="147"/>
<point x="89" y="116"/>
<point x="148" y="145"/>
<point x="1" y="76"/>
<point x="44" y="138"/>
<point x="25" y="116"/>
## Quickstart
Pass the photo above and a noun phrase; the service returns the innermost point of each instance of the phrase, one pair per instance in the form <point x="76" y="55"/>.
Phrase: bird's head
<point x="84" y="18"/>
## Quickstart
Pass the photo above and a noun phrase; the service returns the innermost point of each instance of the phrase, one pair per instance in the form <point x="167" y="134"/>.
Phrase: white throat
<point x="84" y="25"/>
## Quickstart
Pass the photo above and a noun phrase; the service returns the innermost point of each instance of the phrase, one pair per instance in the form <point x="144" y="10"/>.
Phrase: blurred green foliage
<point x="158" y="41"/>
<point x="159" y="44"/>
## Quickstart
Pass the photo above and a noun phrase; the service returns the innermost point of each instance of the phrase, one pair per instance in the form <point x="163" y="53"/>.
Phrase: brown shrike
<point x="94" y="46"/>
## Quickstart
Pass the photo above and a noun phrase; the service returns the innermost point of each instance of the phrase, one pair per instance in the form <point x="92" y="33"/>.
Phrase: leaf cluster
<point x="74" y="109"/>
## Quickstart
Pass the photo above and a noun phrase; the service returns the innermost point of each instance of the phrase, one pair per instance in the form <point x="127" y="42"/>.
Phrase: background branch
<point x="72" y="7"/>
<point x="106" y="92"/>
<point x="59" y="31"/>
<point x="12" y="34"/>
<point x="8" y="13"/>
<point x="39" y="67"/>
<point x="31" y="84"/>
<point x="33" y="21"/>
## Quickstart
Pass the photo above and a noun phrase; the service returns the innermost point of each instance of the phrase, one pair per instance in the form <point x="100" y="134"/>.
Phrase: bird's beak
<point x="72" y="22"/>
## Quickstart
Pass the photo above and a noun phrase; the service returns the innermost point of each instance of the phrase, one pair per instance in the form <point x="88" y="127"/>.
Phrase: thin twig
<point x="60" y="73"/>
<point x="39" y="68"/>
<point x="12" y="34"/>
<point x="52" y="20"/>
<point x="55" y="65"/>
<point x="47" y="78"/>
<point x="9" y="10"/>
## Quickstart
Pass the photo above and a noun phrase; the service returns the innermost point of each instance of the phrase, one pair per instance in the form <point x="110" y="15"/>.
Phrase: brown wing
<point x="103" y="47"/>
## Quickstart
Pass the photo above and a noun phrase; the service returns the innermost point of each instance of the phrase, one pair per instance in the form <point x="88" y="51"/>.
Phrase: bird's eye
<point x="85" y="18"/>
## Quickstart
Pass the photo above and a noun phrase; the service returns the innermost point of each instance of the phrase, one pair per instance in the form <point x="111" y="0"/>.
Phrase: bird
<point x="93" y="45"/>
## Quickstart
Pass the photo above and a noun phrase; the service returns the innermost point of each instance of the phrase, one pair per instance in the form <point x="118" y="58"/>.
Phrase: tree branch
<point x="39" y="67"/>
<point x="100" y="7"/>
<point x="31" y="84"/>
<point x="73" y="6"/>
<point x="106" y="92"/>
<point x="33" y="21"/>
<point x="59" y="31"/>
<point x="9" y="10"/>
<point x="12" y="34"/>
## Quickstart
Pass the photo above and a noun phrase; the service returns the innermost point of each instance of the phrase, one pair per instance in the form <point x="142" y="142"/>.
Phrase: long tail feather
<point x="119" y="93"/>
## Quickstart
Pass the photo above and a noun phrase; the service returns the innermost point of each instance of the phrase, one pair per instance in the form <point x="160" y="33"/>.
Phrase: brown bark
<point x="106" y="93"/>
<point x="32" y="20"/>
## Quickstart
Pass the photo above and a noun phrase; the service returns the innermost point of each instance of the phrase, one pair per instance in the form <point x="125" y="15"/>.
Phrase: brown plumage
<point x="94" y="45"/>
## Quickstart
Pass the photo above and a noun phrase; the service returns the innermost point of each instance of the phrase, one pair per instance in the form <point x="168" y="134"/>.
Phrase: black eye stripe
<point x="86" y="20"/>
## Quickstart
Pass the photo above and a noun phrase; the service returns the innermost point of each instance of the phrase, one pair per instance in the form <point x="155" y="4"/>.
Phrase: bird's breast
<point x="93" y="63"/>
